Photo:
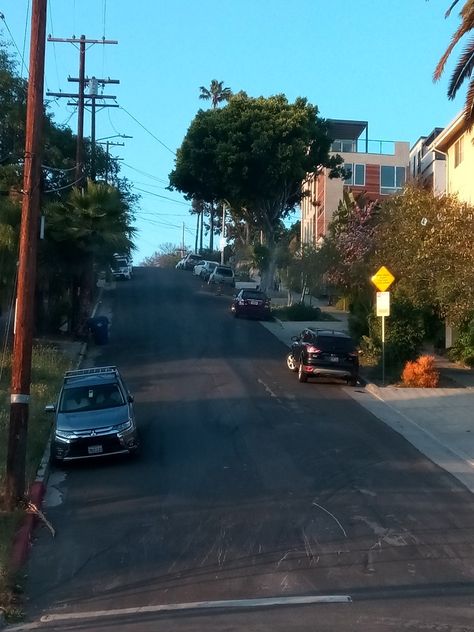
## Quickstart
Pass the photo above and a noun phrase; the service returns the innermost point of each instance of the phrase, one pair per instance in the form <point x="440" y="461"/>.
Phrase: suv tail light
<point x="312" y="349"/>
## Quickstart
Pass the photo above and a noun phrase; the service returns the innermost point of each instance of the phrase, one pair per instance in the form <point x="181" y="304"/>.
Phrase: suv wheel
<point x="290" y="362"/>
<point x="302" y="377"/>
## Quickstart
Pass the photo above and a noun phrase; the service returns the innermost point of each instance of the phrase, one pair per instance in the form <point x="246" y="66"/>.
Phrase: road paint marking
<point x="199" y="605"/>
<point x="266" y="387"/>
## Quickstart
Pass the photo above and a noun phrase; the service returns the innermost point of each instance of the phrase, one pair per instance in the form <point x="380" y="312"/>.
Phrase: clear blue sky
<point x="367" y="60"/>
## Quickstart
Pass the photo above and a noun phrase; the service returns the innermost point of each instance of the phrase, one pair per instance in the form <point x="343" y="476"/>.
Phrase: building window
<point x="459" y="151"/>
<point x="356" y="174"/>
<point x="392" y="179"/>
<point x="346" y="146"/>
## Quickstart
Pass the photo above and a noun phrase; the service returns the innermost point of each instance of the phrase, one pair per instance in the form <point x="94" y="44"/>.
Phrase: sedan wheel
<point x="302" y="377"/>
<point x="290" y="362"/>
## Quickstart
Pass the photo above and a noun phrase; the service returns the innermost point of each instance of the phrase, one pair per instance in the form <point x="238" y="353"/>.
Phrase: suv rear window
<point x="335" y="344"/>
<point x="224" y="271"/>
<point x="259" y="296"/>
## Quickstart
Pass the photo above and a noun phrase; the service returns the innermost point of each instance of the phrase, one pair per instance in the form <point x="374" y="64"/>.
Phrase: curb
<point x="23" y="537"/>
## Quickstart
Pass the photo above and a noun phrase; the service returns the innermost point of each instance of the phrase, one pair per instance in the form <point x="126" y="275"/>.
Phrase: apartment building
<point x="377" y="168"/>
<point x="455" y="142"/>
<point x="427" y="165"/>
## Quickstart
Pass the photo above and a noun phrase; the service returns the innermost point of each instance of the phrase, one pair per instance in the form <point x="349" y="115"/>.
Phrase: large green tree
<point x="254" y="154"/>
<point x="465" y="65"/>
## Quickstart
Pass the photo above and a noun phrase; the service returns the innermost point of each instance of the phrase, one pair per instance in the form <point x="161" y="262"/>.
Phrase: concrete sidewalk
<point x="439" y="422"/>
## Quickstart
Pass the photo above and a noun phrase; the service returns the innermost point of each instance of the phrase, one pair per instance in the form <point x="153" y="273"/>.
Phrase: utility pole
<point x="81" y="98"/>
<point x="30" y="211"/>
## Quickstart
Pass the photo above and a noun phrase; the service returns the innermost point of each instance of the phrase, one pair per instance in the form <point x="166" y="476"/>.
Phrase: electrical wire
<point x="146" y="129"/>
<point x="26" y="29"/>
<point x="67" y="186"/>
<point x="161" y="196"/>
<point x="144" y="173"/>
<point x="57" y="168"/>
<point x="2" y="16"/>
<point x="50" y="16"/>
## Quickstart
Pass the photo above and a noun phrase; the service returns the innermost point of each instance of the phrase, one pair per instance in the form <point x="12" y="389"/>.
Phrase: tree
<point x="254" y="154"/>
<point x="167" y="256"/>
<point x="216" y="93"/>
<point x="84" y="231"/>
<point x="421" y="238"/>
<point x="465" y="65"/>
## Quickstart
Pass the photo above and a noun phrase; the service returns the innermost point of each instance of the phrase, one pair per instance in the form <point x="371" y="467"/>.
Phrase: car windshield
<point x="335" y="344"/>
<point x="224" y="271"/>
<point x="86" y="398"/>
<point x="119" y="263"/>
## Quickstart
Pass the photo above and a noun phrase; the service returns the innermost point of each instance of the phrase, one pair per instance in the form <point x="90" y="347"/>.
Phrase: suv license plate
<point x="334" y="358"/>
<point x="95" y="449"/>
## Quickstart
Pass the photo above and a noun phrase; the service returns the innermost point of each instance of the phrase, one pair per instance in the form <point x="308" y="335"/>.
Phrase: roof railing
<point x="91" y="371"/>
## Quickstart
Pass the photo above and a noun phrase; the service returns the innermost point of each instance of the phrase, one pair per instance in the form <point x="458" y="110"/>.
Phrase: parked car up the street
<point x="223" y="275"/>
<point x="253" y="303"/>
<point x="324" y="353"/>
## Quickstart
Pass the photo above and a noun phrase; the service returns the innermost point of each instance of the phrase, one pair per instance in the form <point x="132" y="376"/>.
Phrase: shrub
<point x="299" y="311"/>
<point x="404" y="333"/>
<point x="463" y="348"/>
<point x="421" y="373"/>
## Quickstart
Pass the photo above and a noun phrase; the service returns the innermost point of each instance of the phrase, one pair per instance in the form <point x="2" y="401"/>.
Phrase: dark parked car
<point x="324" y="352"/>
<point x="94" y="416"/>
<point x="251" y="303"/>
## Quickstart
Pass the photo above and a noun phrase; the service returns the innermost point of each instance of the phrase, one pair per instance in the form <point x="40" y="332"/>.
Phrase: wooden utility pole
<point x="81" y="97"/>
<point x="24" y="319"/>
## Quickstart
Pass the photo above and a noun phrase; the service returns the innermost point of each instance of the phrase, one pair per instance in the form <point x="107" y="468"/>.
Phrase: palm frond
<point x="448" y="12"/>
<point x="469" y="106"/>
<point x="462" y="71"/>
<point x="462" y="30"/>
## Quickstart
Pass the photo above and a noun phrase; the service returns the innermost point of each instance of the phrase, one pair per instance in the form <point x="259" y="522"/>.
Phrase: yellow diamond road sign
<point x="382" y="279"/>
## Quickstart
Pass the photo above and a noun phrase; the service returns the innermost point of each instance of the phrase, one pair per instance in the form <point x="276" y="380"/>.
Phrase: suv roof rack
<point x="92" y="371"/>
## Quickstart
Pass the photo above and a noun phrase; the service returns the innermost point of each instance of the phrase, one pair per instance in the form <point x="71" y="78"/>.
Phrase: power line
<point x="147" y="130"/>
<point x="2" y="16"/>
<point x="144" y="173"/>
<point x="162" y="196"/>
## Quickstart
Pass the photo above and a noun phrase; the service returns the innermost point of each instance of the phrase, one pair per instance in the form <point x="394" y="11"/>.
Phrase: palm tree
<point x="216" y="93"/>
<point x="85" y="230"/>
<point x="465" y="64"/>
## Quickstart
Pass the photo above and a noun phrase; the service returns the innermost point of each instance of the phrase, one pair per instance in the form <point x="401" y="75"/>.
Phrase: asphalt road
<point x="250" y="486"/>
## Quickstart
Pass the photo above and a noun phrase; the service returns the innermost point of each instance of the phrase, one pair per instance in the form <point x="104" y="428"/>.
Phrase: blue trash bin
<point x="99" y="327"/>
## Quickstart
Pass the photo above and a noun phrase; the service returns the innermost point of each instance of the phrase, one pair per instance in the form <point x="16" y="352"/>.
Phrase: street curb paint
<point x="22" y="539"/>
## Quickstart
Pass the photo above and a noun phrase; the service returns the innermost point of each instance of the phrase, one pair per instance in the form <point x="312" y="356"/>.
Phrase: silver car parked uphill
<point x="93" y="416"/>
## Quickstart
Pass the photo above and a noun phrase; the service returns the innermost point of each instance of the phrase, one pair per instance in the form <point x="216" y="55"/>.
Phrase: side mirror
<point x="50" y="408"/>
<point x="130" y="399"/>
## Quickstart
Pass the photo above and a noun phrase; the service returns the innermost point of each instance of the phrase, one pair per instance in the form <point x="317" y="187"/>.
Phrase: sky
<point x="369" y="60"/>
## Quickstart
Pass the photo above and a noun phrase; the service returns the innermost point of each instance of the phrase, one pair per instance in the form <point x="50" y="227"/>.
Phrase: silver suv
<point x="222" y="275"/>
<point x="93" y="416"/>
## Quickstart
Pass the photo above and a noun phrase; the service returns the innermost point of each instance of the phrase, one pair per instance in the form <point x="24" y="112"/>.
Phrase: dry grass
<point x="48" y="366"/>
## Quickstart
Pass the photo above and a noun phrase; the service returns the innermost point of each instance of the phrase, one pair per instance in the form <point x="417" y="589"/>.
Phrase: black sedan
<point x="253" y="303"/>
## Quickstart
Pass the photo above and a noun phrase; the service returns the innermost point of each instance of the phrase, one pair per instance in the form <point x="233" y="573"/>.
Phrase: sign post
<point x="382" y="280"/>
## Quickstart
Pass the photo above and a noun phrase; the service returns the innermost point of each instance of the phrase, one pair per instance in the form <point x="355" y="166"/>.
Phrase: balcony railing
<point x="364" y="146"/>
